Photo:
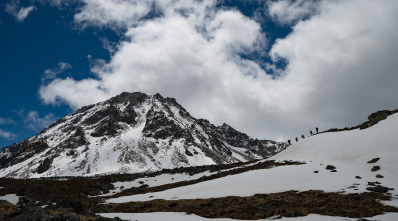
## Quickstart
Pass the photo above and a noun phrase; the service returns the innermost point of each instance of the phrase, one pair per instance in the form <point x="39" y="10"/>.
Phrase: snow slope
<point x="165" y="216"/>
<point x="348" y="151"/>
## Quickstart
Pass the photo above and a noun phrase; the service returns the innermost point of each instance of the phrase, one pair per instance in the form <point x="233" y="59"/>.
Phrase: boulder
<point x="330" y="167"/>
<point x="37" y="213"/>
<point x="375" y="168"/>
<point x="71" y="217"/>
<point x="374" y="160"/>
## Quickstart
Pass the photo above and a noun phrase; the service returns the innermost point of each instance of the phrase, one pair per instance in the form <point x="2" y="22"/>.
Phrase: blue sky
<point x="272" y="69"/>
<point x="27" y="49"/>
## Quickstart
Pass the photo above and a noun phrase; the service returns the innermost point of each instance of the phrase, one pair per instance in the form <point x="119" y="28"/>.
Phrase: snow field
<point x="274" y="180"/>
<point x="348" y="151"/>
<point x="166" y="216"/>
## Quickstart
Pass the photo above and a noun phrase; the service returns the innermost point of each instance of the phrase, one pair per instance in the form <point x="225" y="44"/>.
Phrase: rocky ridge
<point x="373" y="119"/>
<point x="129" y="133"/>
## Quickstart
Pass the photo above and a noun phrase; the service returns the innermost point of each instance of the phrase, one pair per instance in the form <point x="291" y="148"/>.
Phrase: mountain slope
<point x="129" y="133"/>
<point x="364" y="161"/>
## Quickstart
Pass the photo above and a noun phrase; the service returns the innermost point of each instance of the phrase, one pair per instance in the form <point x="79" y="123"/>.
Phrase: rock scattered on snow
<point x="374" y="160"/>
<point x="375" y="168"/>
<point x="330" y="167"/>
<point x="379" y="189"/>
<point x="379" y="176"/>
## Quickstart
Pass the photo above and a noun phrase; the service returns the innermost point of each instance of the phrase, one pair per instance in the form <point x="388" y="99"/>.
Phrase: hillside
<point x="347" y="162"/>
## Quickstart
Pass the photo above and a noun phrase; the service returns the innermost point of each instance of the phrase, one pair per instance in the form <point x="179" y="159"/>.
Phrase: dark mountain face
<point x="129" y="133"/>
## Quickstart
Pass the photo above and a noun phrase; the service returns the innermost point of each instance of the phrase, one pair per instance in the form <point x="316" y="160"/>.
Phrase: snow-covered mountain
<point x="129" y="133"/>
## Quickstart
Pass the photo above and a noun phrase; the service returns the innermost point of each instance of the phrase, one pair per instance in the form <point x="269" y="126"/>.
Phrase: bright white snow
<point x="348" y="151"/>
<point x="165" y="216"/>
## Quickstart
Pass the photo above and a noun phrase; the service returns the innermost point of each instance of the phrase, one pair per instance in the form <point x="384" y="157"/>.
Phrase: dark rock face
<point x="374" y="118"/>
<point x="21" y="151"/>
<point x="45" y="165"/>
<point x="107" y="127"/>
<point x="159" y="126"/>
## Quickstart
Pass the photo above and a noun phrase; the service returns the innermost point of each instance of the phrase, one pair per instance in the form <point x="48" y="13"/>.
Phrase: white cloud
<point x="20" y="13"/>
<point x="112" y="13"/>
<point x="341" y="64"/>
<point x="24" y="12"/>
<point x="7" y="135"/>
<point x="345" y="58"/>
<point x="173" y="54"/>
<point x="36" y="123"/>
<point x="50" y="74"/>
<point x="290" y="11"/>
<point x="6" y="121"/>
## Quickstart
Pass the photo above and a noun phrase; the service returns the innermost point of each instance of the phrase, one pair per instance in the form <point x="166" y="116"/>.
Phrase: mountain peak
<point x="129" y="133"/>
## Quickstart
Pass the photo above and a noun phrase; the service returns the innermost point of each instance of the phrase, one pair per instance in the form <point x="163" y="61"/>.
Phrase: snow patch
<point x="11" y="198"/>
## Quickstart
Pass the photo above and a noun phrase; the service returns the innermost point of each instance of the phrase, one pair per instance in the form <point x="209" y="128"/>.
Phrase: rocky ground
<point x="71" y="198"/>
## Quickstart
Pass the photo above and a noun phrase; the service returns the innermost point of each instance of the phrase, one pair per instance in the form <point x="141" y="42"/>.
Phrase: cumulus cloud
<point x="36" y="123"/>
<point x="20" y="13"/>
<point x="345" y="60"/>
<point x="341" y="63"/>
<point x="190" y="46"/>
<point x="288" y="12"/>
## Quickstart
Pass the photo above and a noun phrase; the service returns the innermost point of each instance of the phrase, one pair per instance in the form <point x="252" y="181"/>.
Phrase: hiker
<point x="302" y="136"/>
<point x="311" y="132"/>
<point x="316" y="130"/>
<point x="296" y="139"/>
<point x="288" y="142"/>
